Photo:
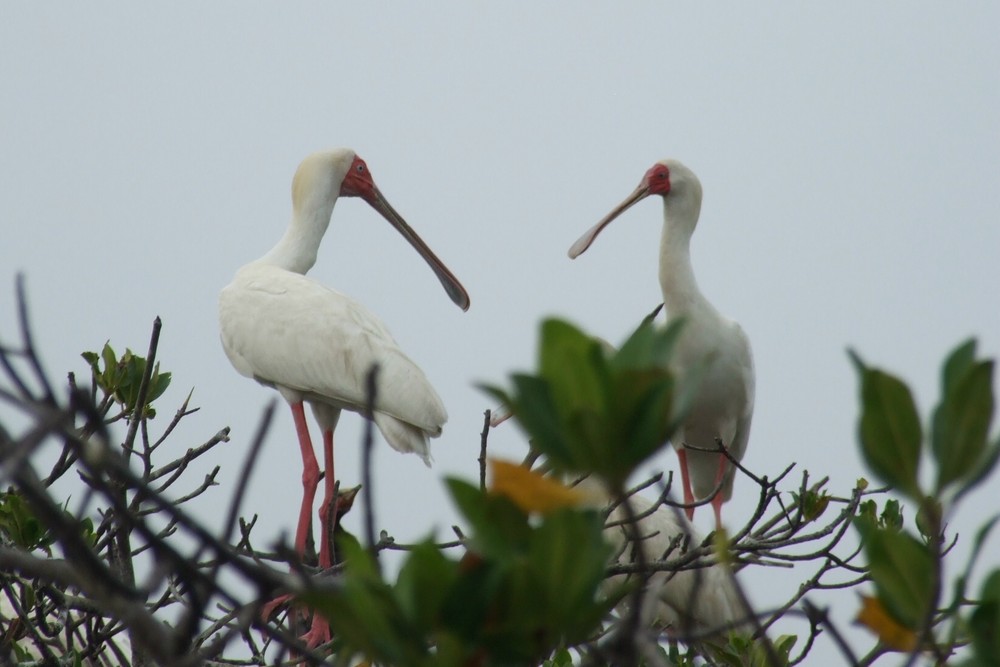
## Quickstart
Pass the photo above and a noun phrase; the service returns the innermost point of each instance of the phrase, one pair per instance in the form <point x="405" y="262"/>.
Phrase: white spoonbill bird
<point x="723" y="405"/>
<point x="316" y="345"/>
<point x="691" y="601"/>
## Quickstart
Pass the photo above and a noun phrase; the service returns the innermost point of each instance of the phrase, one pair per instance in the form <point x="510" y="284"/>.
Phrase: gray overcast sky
<point x="849" y="156"/>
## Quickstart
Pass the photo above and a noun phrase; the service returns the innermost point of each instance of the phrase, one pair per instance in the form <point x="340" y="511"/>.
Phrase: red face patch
<point x="358" y="180"/>
<point x="658" y="179"/>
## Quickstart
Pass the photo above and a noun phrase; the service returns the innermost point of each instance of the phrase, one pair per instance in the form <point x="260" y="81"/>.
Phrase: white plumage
<point x="710" y="344"/>
<point x="287" y="331"/>
<point x="691" y="601"/>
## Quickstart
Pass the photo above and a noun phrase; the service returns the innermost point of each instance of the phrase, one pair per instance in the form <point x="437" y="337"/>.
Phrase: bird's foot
<point x="318" y="634"/>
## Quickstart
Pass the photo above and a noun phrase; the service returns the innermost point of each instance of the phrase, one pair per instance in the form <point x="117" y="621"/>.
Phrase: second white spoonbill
<point x="723" y="406"/>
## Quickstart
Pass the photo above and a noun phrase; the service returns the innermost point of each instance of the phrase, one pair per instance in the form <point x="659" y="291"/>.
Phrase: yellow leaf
<point x="531" y="491"/>
<point x="874" y="617"/>
<point x="720" y="545"/>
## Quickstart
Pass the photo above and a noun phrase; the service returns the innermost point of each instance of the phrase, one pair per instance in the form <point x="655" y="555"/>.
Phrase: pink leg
<point x="319" y="632"/>
<point x="310" y="480"/>
<point x="330" y="489"/>
<point x="310" y="477"/>
<point x="717" y="500"/>
<point x="686" y="481"/>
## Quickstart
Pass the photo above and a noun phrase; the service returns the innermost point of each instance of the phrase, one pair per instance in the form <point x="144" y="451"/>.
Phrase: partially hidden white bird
<point x="315" y="345"/>
<point x="709" y="343"/>
<point x="686" y="602"/>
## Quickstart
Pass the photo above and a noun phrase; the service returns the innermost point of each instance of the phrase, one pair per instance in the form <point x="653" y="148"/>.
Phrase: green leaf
<point x="110" y="360"/>
<point x="423" y="584"/>
<point x="534" y="408"/>
<point x="891" y="516"/>
<point x="984" y="624"/>
<point x="961" y="582"/>
<point x="562" y="658"/>
<point x="499" y="529"/>
<point x="957" y="364"/>
<point x="568" y="557"/>
<point x="648" y="346"/>
<point x="980" y="471"/>
<point x="889" y="429"/>
<point x="158" y="384"/>
<point x="812" y="504"/>
<point x="980" y="539"/>
<point x="594" y="411"/>
<point x="20" y="526"/>
<point x="929" y="516"/>
<point x="363" y="612"/>
<point x="572" y="363"/>
<point x="641" y="417"/>
<point x="472" y="600"/>
<point x="868" y="510"/>
<point x="902" y="570"/>
<point x="783" y="645"/>
<point x="92" y="359"/>
<point x="962" y="419"/>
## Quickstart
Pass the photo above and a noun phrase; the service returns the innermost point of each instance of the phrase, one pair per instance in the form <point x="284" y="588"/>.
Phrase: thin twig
<point x="483" y="437"/>
<point x="371" y="389"/>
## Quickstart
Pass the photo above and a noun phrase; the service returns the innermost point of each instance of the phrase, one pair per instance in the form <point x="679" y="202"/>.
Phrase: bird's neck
<point x="680" y="289"/>
<point x="296" y="251"/>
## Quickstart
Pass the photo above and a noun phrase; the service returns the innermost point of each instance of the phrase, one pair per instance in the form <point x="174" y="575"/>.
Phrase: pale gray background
<point x="849" y="157"/>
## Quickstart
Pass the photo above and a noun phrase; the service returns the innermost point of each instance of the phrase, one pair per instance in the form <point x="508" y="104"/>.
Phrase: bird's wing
<point x="748" y="378"/>
<point x="741" y="436"/>
<point x="285" y="329"/>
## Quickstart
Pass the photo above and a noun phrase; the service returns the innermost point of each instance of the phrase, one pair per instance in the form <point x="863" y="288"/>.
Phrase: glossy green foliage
<point x="902" y="569"/>
<point x="593" y="410"/>
<point x="562" y="658"/>
<point x="812" y="503"/>
<point x="890" y="518"/>
<point x="891" y="435"/>
<point x="889" y="429"/>
<point x="524" y="588"/>
<point x="742" y="651"/>
<point x="961" y="422"/>
<point x="984" y="624"/>
<point x="906" y="570"/>
<point x="122" y="378"/>
<point x="20" y="527"/>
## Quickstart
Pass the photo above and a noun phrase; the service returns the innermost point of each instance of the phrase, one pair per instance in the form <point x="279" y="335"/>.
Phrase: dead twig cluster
<point x="124" y="574"/>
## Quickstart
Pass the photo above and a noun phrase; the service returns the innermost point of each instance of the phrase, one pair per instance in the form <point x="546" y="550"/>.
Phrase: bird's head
<point x="670" y="176"/>
<point x="324" y="176"/>
<point x="681" y="192"/>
